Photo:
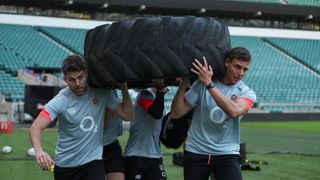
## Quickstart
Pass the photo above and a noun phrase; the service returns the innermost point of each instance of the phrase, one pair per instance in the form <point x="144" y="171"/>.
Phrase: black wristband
<point x="156" y="109"/>
<point x="210" y="85"/>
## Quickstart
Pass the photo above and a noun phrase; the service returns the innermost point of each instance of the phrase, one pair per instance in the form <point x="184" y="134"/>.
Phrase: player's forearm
<point x="39" y="124"/>
<point x="226" y="104"/>
<point x="156" y="109"/>
<point x="127" y="107"/>
<point x="35" y="137"/>
<point x="178" y="103"/>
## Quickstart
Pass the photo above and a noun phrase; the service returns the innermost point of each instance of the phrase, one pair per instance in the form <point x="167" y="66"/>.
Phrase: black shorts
<point x="200" y="167"/>
<point x="88" y="171"/>
<point x="112" y="158"/>
<point x="144" y="168"/>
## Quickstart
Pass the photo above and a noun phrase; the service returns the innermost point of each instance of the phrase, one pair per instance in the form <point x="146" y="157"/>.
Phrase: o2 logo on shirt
<point x="219" y="117"/>
<point x="88" y="124"/>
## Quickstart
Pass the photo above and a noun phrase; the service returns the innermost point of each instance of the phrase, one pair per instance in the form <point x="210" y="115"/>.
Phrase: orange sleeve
<point x="249" y="102"/>
<point x="145" y="103"/>
<point x="46" y="114"/>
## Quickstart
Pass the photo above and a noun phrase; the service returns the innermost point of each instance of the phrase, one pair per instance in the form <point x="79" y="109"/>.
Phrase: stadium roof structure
<point x="246" y="9"/>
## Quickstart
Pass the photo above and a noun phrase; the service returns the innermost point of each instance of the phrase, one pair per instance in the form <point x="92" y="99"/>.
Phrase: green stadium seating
<point x="276" y="77"/>
<point x="11" y="62"/>
<point x="72" y="38"/>
<point x="32" y="45"/>
<point x="287" y="2"/>
<point x="12" y="88"/>
<point x="306" y="51"/>
<point x="304" y="2"/>
<point x="260" y="1"/>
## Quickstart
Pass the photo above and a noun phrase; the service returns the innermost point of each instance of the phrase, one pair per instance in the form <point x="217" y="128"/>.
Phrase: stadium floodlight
<point x="104" y="5"/>
<point x="69" y="2"/>
<point x="310" y="16"/>
<point x="202" y="10"/>
<point x="258" y="13"/>
<point x="142" y="7"/>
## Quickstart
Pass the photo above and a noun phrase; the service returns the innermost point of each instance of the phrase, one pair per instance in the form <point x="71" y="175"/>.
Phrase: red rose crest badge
<point x="95" y="101"/>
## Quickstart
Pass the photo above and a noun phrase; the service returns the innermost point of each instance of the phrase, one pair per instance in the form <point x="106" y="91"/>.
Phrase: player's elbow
<point x="177" y="111"/>
<point x="175" y="114"/>
<point x="128" y="116"/>
<point x="235" y="113"/>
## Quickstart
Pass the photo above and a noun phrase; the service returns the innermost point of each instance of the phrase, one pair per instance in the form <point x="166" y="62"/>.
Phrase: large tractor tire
<point x="137" y="51"/>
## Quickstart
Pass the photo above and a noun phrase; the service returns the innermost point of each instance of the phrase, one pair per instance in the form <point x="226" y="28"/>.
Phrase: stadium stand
<point x="284" y="71"/>
<point x="304" y="2"/>
<point x="287" y="2"/>
<point x="21" y="47"/>
<point x="11" y="88"/>
<point x="10" y="61"/>
<point x="38" y="50"/>
<point x="306" y="51"/>
<point x="70" y="38"/>
<point x="260" y="1"/>
<point x="276" y="77"/>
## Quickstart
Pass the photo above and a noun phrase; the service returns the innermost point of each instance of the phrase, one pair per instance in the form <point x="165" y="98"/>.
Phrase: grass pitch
<point x="292" y="150"/>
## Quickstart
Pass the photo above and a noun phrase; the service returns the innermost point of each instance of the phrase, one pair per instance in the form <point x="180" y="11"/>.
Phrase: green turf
<point x="20" y="142"/>
<point x="283" y="141"/>
<point x="284" y="167"/>
<point x="274" y="138"/>
<point x="17" y="166"/>
<point x="302" y="126"/>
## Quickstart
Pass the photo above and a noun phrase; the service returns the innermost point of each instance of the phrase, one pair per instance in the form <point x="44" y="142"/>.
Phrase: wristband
<point x="210" y="85"/>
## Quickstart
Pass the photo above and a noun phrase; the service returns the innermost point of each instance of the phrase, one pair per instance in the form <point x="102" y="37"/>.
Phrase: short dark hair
<point x="239" y="53"/>
<point x="73" y="63"/>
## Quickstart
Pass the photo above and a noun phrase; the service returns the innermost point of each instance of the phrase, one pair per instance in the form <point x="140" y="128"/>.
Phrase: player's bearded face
<point x="77" y="81"/>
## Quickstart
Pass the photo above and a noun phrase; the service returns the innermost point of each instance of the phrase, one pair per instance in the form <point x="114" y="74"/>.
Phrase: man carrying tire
<point x="80" y="111"/>
<point x="213" y="140"/>
<point x="143" y="158"/>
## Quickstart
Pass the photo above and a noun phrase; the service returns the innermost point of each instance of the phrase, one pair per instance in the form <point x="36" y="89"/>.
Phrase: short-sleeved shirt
<point x="113" y="131"/>
<point x="212" y="131"/>
<point x="144" y="131"/>
<point x="80" y="124"/>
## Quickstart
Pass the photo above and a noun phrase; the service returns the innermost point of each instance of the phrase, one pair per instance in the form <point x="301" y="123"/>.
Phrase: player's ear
<point x="227" y="62"/>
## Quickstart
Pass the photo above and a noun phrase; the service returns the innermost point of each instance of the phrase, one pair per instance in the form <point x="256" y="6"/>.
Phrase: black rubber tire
<point x="137" y="51"/>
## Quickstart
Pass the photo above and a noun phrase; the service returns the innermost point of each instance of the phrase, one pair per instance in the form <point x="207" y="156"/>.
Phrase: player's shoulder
<point x="64" y="92"/>
<point x="198" y="85"/>
<point x="242" y="86"/>
<point x="245" y="89"/>
<point x="100" y="91"/>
